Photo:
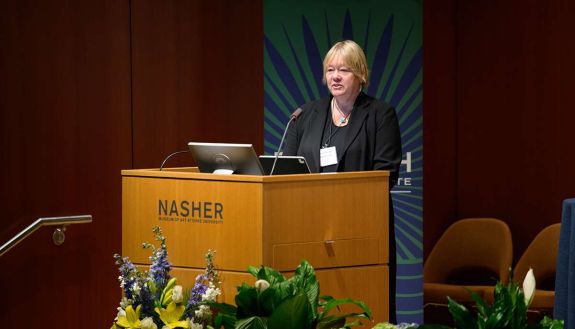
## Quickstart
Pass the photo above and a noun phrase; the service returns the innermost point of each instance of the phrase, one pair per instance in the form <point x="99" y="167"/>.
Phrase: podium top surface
<point x="193" y="173"/>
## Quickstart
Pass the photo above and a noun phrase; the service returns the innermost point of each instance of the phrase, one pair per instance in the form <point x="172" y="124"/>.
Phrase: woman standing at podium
<point x="349" y="130"/>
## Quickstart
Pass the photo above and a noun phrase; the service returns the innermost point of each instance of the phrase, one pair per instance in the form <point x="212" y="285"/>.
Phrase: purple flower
<point x="197" y="291"/>
<point x="128" y="274"/>
<point x="160" y="268"/>
<point x="146" y="299"/>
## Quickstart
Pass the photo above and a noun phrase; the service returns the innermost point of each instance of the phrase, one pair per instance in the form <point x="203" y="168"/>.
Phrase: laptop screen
<point x="285" y="165"/>
<point x="225" y="158"/>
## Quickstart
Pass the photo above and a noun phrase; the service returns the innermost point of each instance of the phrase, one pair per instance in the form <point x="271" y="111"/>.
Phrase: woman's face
<point x="340" y="79"/>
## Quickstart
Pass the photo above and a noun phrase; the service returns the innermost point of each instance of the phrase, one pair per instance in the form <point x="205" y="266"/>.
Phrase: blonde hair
<point x="353" y="56"/>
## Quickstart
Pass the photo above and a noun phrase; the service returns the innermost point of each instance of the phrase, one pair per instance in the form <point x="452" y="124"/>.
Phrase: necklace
<point x="343" y="118"/>
<point x="330" y="134"/>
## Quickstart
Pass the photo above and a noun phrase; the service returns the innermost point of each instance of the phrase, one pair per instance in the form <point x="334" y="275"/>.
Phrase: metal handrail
<point x="58" y="236"/>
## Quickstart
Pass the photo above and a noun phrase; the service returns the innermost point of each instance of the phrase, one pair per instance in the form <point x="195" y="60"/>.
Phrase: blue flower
<point x="197" y="291"/>
<point x="146" y="299"/>
<point x="128" y="274"/>
<point x="160" y="268"/>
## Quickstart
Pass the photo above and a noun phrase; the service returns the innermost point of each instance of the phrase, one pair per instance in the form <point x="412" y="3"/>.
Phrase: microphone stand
<point x="293" y="117"/>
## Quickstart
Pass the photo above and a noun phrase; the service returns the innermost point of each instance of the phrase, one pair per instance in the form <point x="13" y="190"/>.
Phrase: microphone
<point x="293" y="117"/>
<point x="171" y="155"/>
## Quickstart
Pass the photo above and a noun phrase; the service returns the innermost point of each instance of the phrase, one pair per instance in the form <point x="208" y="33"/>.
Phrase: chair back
<point x="541" y="255"/>
<point x="482" y="244"/>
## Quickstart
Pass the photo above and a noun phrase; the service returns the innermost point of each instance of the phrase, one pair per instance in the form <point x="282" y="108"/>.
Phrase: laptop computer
<point x="285" y="165"/>
<point x="226" y="158"/>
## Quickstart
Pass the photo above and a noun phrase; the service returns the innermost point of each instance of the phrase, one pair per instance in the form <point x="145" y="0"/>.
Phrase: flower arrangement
<point x="509" y="308"/>
<point x="508" y="311"/>
<point x="153" y="299"/>
<point x="277" y="302"/>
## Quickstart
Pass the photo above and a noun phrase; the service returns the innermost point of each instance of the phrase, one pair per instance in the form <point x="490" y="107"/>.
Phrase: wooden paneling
<point x="498" y="114"/>
<point x="232" y="223"/>
<point x="439" y="124"/>
<point x="254" y="220"/>
<point x="198" y="76"/>
<point x="69" y="123"/>
<point x="360" y="283"/>
<point x="515" y="111"/>
<point x="65" y="135"/>
<point x="271" y="221"/>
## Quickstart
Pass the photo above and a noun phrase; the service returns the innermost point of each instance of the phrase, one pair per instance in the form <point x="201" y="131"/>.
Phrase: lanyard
<point x="330" y="135"/>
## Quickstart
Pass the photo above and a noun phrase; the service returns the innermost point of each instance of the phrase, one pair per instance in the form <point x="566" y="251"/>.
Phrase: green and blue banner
<point x="298" y="34"/>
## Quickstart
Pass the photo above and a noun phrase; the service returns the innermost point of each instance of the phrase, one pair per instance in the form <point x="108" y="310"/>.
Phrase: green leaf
<point x="461" y="315"/>
<point x="303" y="268"/>
<point x="222" y="307"/>
<point x="266" y="273"/>
<point x="548" y="323"/>
<point x="228" y="321"/>
<point x="494" y="321"/>
<point x="311" y="288"/>
<point x="351" y="324"/>
<point x="324" y="300"/>
<point x="247" y="302"/>
<point x="254" y="322"/>
<point x="270" y="275"/>
<point x="305" y="279"/>
<point x="293" y="313"/>
<point x="268" y="300"/>
<point x="343" y="301"/>
<point x="482" y="308"/>
<point x="253" y="270"/>
<point x="331" y="321"/>
<point x="286" y="289"/>
<point x="339" y="320"/>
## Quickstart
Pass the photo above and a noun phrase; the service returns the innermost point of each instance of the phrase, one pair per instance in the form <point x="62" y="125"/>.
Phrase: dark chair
<point x="541" y="256"/>
<point x="473" y="253"/>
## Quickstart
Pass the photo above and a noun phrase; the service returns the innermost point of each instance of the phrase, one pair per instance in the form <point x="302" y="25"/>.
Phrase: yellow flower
<point x="132" y="318"/>
<point x="166" y="297"/>
<point x="171" y="315"/>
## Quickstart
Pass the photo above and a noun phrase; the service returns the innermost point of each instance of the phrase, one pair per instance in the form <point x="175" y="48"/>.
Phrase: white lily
<point x="529" y="287"/>
<point x="261" y="285"/>
<point x="195" y="325"/>
<point x="177" y="294"/>
<point x="148" y="323"/>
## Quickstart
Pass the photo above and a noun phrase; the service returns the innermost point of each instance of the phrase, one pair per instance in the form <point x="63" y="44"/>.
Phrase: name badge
<point x="327" y="156"/>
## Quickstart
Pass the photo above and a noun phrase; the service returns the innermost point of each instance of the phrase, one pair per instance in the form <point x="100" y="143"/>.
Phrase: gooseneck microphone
<point x="171" y="155"/>
<point x="293" y="117"/>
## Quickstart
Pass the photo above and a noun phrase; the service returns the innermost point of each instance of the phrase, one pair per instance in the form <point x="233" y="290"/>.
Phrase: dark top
<point x="333" y="136"/>
<point x="371" y="139"/>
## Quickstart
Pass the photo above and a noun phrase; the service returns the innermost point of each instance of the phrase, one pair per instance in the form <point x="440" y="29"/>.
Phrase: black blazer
<point x="372" y="140"/>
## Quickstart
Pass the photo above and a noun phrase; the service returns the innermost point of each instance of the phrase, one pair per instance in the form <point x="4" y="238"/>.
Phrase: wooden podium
<point x="338" y="222"/>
